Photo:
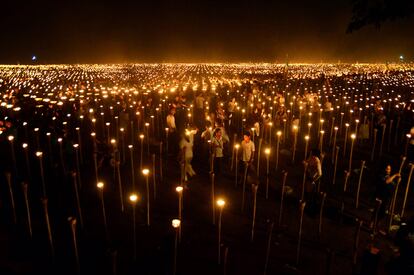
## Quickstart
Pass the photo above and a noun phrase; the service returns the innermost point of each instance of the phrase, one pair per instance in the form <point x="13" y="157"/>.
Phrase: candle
<point x="133" y="198"/>
<point x="278" y="134"/>
<point x="176" y="225"/>
<point x="295" y="139"/>
<point x="267" y="153"/>
<point x="40" y="155"/>
<point x="353" y="137"/>
<point x="254" y="191"/>
<point x="72" y="223"/>
<point x="26" y="201"/>
<point x="145" y="172"/>
<point x="100" y="186"/>
<point x="220" y="204"/>
<point x="236" y="146"/>
<point x="301" y="209"/>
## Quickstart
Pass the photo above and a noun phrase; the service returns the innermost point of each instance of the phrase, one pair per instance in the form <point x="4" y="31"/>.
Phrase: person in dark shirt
<point x="385" y="189"/>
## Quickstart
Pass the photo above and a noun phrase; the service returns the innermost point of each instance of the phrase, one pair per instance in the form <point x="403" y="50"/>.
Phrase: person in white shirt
<point x="171" y="120"/>
<point x="217" y="143"/>
<point x="248" y="149"/>
<point x="186" y="151"/>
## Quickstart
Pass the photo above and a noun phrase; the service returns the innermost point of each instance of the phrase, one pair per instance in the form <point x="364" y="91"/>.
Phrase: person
<point x="313" y="172"/>
<point x="248" y="149"/>
<point x="171" y="120"/>
<point x="217" y="143"/>
<point x="385" y="189"/>
<point x="186" y="154"/>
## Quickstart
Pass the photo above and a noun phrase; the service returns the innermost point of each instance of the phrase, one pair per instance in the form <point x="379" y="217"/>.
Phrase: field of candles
<point x="252" y="168"/>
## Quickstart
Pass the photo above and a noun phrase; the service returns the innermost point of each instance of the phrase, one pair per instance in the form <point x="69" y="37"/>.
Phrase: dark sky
<point x="60" y="31"/>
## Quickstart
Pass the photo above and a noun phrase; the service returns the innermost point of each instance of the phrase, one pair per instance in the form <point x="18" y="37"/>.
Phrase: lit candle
<point x="220" y="204"/>
<point x="145" y="172"/>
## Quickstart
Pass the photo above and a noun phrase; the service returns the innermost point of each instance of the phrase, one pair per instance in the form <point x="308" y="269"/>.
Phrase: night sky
<point x="194" y="31"/>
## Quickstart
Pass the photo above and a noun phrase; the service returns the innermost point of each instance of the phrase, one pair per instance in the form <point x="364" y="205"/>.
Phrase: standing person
<point x="248" y="149"/>
<point x="217" y="144"/>
<point x="385" y="189"/>
<point x="186" y="154"/>
<point x="313" y="173"/>
<point x="172" y="130"/>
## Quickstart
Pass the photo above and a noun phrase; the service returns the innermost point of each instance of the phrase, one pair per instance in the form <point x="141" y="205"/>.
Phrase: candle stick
<point x="9" y="183"/>
<point x="301" y="210"/>
<point x="141" y="137"/>
<point x="282" y="196"/>
<point x="407" y="188"/>
<point x="254" y="191"/>
<point x="49" y="229"/>
<point x="332" y="129"/>
<point x="78" y="173"/>
<point x="148" y="136"/>
<point x="258" y="157"/>
<point x="160" y="165"/>
<point x="179" y="190"/>
<point x="220" y="205"/>
<point x="284" y="128"/>
<point x="389" y="136"/>
<point x="356" y="241"/>
<point x="133" y="198"/>
<point x="374" y="144"/>
<point x="345" y="138"/>
<point x="382" y="138"/>
<point x="269" y="242"/>
<point x="334" y="141"/>
<point x="123" y="143"/>
<point x="236" y="146"/>
<point x="153" y="177"/>
<point x="13" y="155"/>
<point x="26" y="201"/>
<point x="306" y="147"/>
<point x="322" y="133"/>
<point x="335" y="164"/>
<point x="246" y="169"/>
<point x="176" y="225"/>
<point x="295" y="140"/>
<point x="267" y="153"/>
<point x="131" y="154"/>
<point x="305" y="168"/>
<point x="80" y="145"/>
<point x="39" y="155"/>
<point x="353" y="136"/>
<point x="62" y="161"/>
<point x="108" y="136"/>
<point x="392" y="208"/>
<point x="72" y="223"/>
<point x="26" y="157"/>
<point x="406" y="143"/>
<point x="145" y="172"/>
<point x="78" y="205"/>
<point x="278" y="134"/>
<point x="359" y="184"/>
<point x="213" y="208"/>
<point x="100" y="186"/>
<point x="323" y="195"/>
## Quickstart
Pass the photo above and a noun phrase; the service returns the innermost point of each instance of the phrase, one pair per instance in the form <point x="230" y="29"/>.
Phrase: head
<point x="172" y="111"/>
<point x="316" y="153"/>
<point x="246" y="136"/>
<point x="388" y="169"/>
<point x="217" y="132"/>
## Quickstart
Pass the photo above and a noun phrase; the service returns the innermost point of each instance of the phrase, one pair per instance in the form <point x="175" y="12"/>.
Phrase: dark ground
<point x="329" y="254"/>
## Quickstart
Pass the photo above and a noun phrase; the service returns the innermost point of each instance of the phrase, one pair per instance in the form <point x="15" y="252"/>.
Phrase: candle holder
<point x="133" y="198"/>
<point x="100" y="185"/>
<point x="176" y="223"/>
<point x="146" y="172"/>
<point x="220" y="204"/>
